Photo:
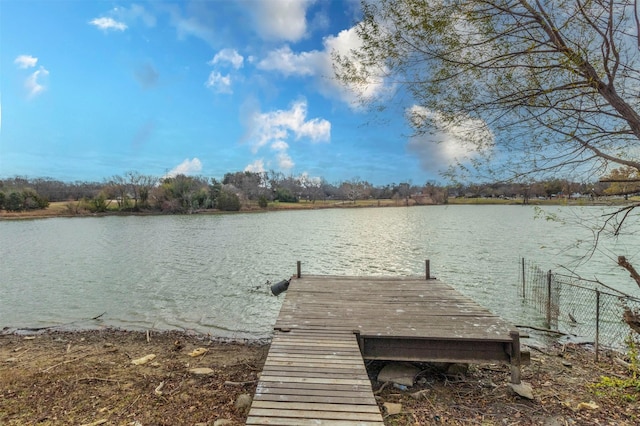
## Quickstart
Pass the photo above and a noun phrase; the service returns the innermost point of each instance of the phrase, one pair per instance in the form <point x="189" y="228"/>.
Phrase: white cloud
<point x="106" y="24"/>
<point x="255" y="167"/>
<point x="26" y="61"/>
<point x="280" y="125"/>
<point x="343" y="44"/>
<point x="222" y="83"/>
<point x="452" y="141"/>
<point x="198" y="20"/>
<point x="319" y="64"/>
<point x="276" y="128"/>
<point x="280" y="19"/>
<point x="136" y="11"/>
<point x="219" y="83"/>
<point x="284" y="161"/>
<point x="279" y="146"/>
<point x="187" y="167"/>
<point x="34" y="84"/>
<point x="228" y="55"/>
<point x="285" y="61"/>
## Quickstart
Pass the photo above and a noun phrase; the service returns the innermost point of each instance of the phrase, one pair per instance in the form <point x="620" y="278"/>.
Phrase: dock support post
<point x="427" y="268"/>
<point x="515" y="357"/>
<point x="298" y="269"/>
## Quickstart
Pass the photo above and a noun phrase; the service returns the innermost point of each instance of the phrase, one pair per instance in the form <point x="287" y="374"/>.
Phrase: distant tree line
<point x="134" y="191"/>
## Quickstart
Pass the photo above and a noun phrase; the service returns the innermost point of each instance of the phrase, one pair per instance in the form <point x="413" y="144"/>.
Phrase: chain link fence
<point x="579" y="307"/>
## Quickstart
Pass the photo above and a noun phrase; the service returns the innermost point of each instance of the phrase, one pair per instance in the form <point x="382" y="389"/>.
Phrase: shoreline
<point x="62" y="209"/>
<point x="28" y="332"/>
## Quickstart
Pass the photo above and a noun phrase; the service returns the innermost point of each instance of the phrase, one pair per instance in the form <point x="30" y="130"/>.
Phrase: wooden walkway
<point x="314" y="378"/>
<point x="314" y="373"/>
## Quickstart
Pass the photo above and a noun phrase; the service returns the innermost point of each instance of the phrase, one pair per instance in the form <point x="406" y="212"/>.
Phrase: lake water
<point x="209" y="273"/>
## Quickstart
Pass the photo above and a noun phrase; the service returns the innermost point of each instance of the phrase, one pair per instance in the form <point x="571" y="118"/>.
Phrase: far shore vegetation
<point x="250" y="191"/>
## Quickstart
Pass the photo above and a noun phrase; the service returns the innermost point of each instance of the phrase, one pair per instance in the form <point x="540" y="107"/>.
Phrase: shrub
<point x="286" y="196"/>
<point x="98" y="204"/>
<point x="262" y="202"/>
<point x="228" y="201"/>
<point x="624" y="389"/>
<point x="14" y="202"/>
<point x="31" y="200"/>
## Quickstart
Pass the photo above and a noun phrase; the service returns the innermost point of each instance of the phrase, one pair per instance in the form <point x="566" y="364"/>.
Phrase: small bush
<point x="286" y="196"/>
<point x="263" y="202"/>
<point x="31" y="200"/>
<point x="14" y="202"/>
<point x="97" y="204"/>
<point x="624" y="389"/>
<point x="228" y="201"/>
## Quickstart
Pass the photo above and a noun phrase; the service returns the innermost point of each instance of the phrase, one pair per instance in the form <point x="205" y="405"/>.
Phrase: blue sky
<point x="92" y="89"/>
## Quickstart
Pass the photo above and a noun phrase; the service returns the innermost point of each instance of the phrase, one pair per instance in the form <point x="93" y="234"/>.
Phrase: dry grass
<point x="87" y="377"/>
<point x="63" y="378"/>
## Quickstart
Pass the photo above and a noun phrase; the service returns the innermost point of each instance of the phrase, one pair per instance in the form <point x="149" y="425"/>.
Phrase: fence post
<point x="427" y="269"/>
<point x="549" y="299"/>
<point x="597" y="323"/>
<point x="524" y="293"/>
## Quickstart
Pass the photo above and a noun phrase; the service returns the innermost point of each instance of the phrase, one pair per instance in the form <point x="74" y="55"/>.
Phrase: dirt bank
<point x="80" y="378"/>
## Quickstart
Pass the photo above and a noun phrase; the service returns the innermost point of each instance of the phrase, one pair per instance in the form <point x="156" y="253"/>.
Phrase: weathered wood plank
<point x="328" y="399"/>
<point x="320" y="380"/>
<point x="334" y="359"/>
<point x="314" y="406"/>
<point x="280" y="421"/>
<point x="314" y="389"/>
<point x="343" y="369"/>
<point x="310" y="363"/>
<point x="311" y="414"/>
<point x="317" y="374"/>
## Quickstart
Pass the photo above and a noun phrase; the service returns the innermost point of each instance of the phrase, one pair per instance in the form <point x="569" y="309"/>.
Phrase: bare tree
<point x="117" y="187"/>
<point x="355" y="189"/>
<point x="551" y="85"/>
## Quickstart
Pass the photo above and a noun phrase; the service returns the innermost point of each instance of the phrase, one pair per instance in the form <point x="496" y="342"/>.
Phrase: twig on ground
<point x="100" y="379"/>
<point x="546" y="330"/>
<point x="230" y="383"/>
<point x="46" y="370"/>
<point x="379" y="391"/>
<point x="540" y="350"/>
<point x="130" y="405"/>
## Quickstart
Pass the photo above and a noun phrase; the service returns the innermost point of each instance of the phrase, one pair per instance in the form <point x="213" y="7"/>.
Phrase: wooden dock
<point x="314" y="378"/>
<point x="314" y="373"/>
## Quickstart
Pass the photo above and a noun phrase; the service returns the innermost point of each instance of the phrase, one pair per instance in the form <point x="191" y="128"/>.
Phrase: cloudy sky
<point x="91" y="89"/>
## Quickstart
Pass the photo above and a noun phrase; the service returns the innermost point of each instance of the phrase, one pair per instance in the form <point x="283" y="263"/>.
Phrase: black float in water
<point x="280" y="287"/>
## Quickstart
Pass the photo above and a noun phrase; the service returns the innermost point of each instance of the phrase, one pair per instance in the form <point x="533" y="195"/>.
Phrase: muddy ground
<point x="89" y="378"/>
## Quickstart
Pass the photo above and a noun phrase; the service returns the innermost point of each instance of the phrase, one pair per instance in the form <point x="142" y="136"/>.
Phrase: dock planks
<point x="316" y="378"/>
<point x="314" y="373"/>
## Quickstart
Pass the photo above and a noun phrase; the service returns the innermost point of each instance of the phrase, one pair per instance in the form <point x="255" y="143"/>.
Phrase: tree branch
<point x="622" y="261"/>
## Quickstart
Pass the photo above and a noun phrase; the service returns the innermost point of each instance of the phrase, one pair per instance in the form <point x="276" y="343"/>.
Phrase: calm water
<point x="208" y="273"/>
